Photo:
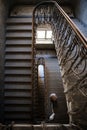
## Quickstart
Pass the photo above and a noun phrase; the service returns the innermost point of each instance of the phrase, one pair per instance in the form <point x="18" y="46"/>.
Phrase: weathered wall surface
<point x="3" y="14"/>
<point x="80" y="10"/>
<point x="35" y="1"/>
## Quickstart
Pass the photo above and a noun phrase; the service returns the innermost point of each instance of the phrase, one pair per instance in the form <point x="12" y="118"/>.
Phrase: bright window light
<point x="41" y="71"/>
<point x="40" y="34"/>
<point x="44" y="36"/>
<point x="49" y="34"/>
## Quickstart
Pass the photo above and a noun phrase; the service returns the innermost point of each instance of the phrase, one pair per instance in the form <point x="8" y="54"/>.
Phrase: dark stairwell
<point x="53" y="83"/>
<point x="68" y="42"/>
<point x="18" y="88"/>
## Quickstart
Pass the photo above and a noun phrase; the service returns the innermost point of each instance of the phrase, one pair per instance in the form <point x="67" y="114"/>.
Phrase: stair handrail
<point x="74" y="27"/>
<point x="67" y="36"/>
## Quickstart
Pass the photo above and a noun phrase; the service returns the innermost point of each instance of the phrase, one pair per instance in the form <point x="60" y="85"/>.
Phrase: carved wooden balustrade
<point x="71" y="49"/>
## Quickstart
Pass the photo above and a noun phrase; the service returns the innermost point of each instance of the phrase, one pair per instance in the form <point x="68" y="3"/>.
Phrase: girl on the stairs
<point x="53" y="101"/>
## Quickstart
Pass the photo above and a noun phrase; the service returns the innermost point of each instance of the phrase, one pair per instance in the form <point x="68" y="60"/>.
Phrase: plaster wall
<point x="3" y="14"/>
<point x="80" y="10"/>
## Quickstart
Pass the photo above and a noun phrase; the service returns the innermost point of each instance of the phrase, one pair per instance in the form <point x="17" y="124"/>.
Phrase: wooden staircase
<point x="18" y="70"/>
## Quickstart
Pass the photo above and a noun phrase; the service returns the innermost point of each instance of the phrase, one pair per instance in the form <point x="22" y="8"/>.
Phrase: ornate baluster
<point x="71" y="48"/>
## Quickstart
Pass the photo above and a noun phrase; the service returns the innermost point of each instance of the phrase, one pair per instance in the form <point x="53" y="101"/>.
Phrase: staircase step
<point x="18" y="102"/>
<point x="17" y="94"/>
<point x="17" y="79"/>
<point x="17" y="71"/>
<point x="18" y="49"/>
<point x="20" y="28"/>
<point x="16" y="87"/>
<point x="19" y="21"/>
<point x="18" y="42"/>
<point x="20" y="116"/>
<point x="21" y="35"/>
<point x="13" y="56"/>
<point x="17" y="109"/>
<point x="18" y="64"/>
